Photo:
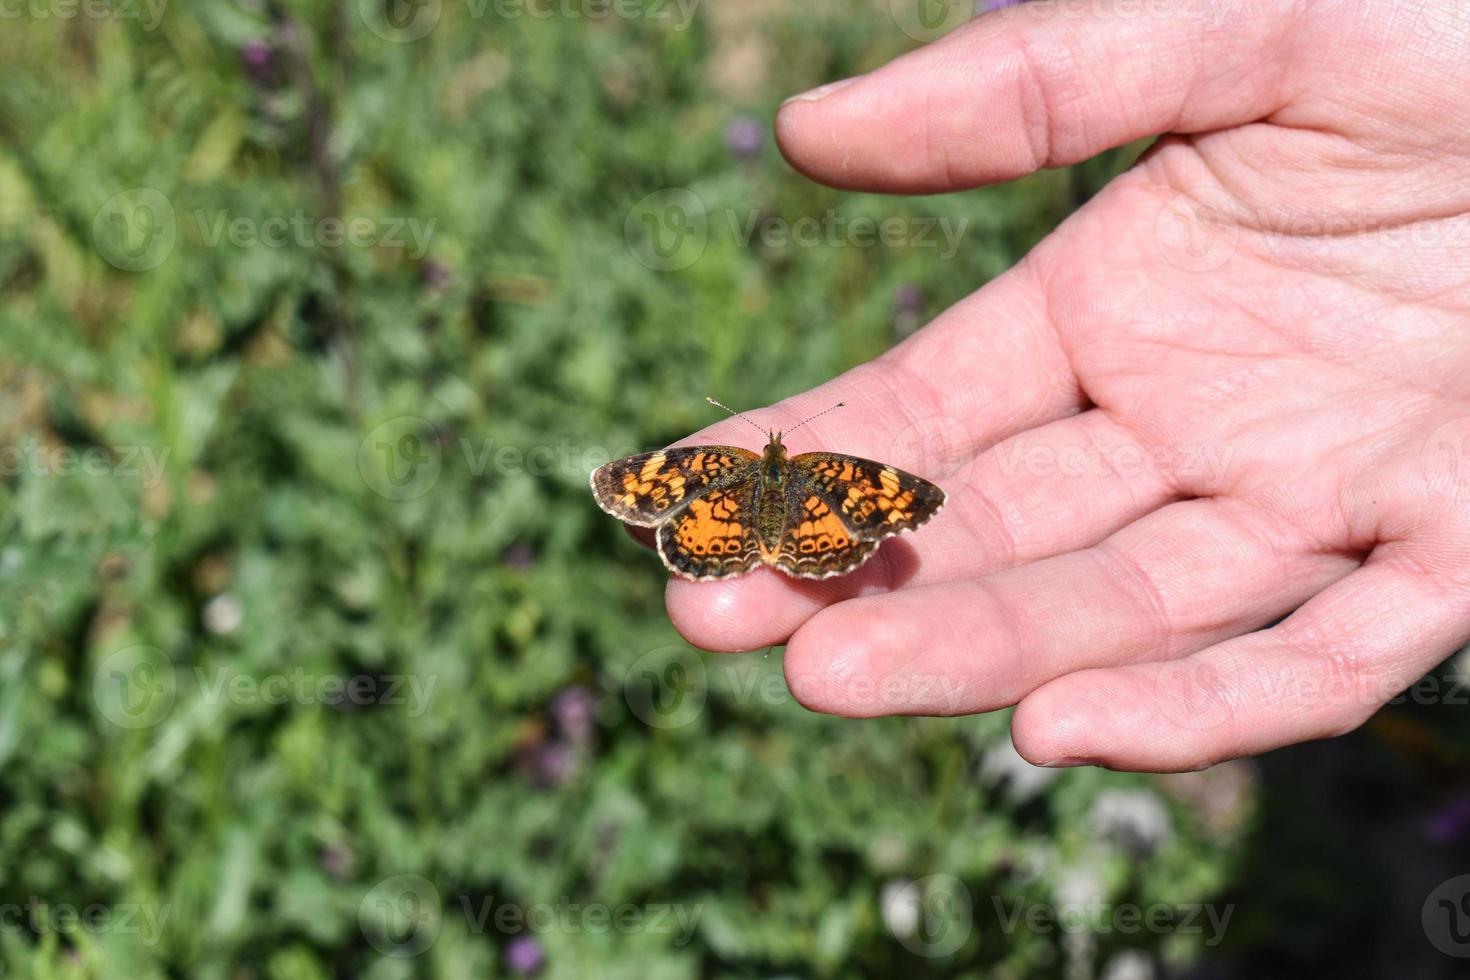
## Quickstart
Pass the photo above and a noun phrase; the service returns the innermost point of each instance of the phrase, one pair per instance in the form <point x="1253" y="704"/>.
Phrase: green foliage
<point x="253" y="474"/>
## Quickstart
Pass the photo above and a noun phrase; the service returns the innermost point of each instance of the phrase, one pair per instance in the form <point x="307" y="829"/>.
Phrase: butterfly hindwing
<point x="714" y="534"/>
<point x="816" y="542"/>
<point x="646" y="488"/>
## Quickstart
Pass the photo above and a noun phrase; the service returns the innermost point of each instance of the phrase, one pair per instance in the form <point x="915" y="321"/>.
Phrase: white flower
<point x="1002" y="762"/>
<point x="224" y="613"/>
<point x="1138" y="819"/>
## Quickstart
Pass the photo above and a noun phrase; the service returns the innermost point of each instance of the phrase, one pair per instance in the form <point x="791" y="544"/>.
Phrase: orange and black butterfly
<point x="722" y="510"/>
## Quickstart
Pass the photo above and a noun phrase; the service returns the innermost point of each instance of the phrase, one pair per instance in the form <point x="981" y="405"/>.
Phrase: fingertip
<point x="716" y="615"/>
<point x="811" y="133"/>
<point x="1050" y="731"/>
<point x="828" y="665"/>
<point x="1111" y="717"/>
<point x="857" y="659"/>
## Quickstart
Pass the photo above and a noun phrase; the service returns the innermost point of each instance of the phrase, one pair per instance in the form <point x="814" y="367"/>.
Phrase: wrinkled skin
<point x="1234" y="387"/>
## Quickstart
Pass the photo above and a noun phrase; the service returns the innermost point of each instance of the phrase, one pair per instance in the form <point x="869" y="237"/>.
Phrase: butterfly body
<point x="722" y="511"/>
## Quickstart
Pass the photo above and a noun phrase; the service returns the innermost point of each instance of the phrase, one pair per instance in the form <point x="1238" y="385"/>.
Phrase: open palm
<point x="1234" y="387"/>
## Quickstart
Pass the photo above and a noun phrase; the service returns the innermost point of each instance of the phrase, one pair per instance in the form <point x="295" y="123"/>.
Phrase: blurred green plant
<point x="316" y="658"/>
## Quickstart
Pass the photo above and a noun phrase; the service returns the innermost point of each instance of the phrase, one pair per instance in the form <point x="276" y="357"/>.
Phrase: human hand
<point x="1233" y="385"/>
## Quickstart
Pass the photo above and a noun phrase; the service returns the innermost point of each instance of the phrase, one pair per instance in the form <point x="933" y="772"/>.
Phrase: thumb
<point x="1042" y="84"/>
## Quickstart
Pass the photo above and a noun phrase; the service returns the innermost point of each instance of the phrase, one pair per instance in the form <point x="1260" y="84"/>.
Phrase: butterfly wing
<point x="647" y="488"/>
<point x="714" y="534"/>
<point x="816" y="542"/>
<point x="870" y="500"/>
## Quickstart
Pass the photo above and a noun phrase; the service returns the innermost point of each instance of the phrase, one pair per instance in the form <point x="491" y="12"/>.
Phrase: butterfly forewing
<point x="873" y="500"/>
<point x="646" y="488"/>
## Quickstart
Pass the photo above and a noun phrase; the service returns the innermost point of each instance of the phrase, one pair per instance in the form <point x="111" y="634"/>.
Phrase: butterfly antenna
<point x="817" y="416"/>
<point x="737" y="415"/>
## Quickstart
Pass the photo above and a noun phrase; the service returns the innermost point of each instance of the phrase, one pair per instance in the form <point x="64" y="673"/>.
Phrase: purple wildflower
<point x="745" y="137"/>
<point x="524" y="956"/>
<point x="260" y="62"/>
<point x="574" y="712"/>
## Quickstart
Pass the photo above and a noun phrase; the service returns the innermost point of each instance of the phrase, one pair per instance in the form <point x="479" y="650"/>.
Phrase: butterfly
<point x="722" y="511"/>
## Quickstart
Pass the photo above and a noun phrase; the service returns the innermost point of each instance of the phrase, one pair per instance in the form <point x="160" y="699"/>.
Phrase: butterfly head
<point x="773" y="463"/>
